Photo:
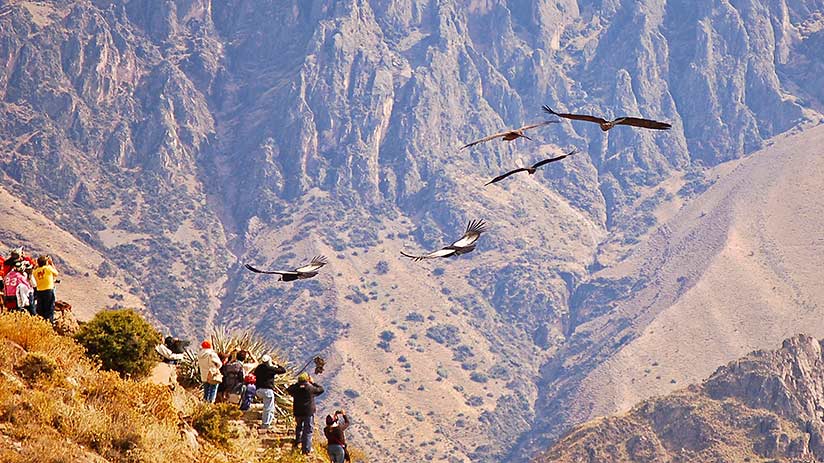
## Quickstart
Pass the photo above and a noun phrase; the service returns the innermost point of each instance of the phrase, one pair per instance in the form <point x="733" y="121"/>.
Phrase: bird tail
<point x="526" y="137"/>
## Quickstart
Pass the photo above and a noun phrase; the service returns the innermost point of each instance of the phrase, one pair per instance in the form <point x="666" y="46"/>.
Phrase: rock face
<point x="183" y="137"/>
<point x="766" y="406"/>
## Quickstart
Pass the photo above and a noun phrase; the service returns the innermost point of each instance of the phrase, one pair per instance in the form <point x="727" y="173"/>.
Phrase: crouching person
<point x="265" y="384"/>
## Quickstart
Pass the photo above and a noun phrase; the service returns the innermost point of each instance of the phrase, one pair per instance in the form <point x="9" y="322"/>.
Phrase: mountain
<point x="732" y="271"/>
<point x="176" y="140"/>
<point x="763" y="407"/>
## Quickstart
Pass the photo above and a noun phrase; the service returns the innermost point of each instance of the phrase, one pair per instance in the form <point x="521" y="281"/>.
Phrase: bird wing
<point x="473" y="232"/>
<point x="645" y="123"/>
<point x="547" y="161"/>
<point x="503" y="176"/>
<point x="532" y="126"/>
<point x="432" y="255"/>
<point x="577" y="117"/>
<point x="316" y="263"/>
<point x="486" y="139"/>
<point x="267" y="272"/>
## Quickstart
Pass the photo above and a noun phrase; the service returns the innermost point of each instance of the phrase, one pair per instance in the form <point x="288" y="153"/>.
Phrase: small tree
<point x="122" y="340"/>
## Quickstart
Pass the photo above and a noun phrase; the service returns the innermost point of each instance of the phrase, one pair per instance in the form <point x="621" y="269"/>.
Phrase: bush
<point x="122" y="340"/>
<point x="211" y="421"/>
<point x="36" y="366"/>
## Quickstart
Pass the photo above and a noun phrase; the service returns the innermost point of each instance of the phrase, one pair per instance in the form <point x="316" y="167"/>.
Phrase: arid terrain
<point x="154" y="149"/>
<point x="765" y="406"/>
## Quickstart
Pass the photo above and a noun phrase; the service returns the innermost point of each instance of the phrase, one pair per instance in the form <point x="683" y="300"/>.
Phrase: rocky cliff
<point x="765" y="406"/>
<point x="181" y="138"/>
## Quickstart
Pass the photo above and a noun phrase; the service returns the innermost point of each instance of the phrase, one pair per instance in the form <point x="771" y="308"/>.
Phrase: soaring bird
<point x="301" y="273"/>
<point x="531" y="169"/>
<point x="509" y="135"/>
<point x="464" y="245"/>
<point x="606" y="125"/>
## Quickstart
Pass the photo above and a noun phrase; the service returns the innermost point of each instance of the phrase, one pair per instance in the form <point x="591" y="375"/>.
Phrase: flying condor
<point x="509" y="135"/>
<point x="301" y="273"/>
<point x="606" y="125"/>
<point x="464" y="245"/>
<point x="531" y="169"/>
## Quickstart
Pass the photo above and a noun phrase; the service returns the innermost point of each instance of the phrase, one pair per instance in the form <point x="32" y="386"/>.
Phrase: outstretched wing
<point x="547" y="161"/>
<point x="532" y="126"/>
<point x="645" y="123"/>
<point x="486" y="139"/>
<point x="445" y="252"/>
<point x="316" y="263"/>
<point x="501" y="177"/>
<point x="473" y="232"/>
<point x="577" y="117"/>
<point x="267" y="272"/>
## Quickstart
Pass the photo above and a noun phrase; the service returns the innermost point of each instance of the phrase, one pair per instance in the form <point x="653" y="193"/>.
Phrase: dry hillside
<point x="737" y="269"/>
<point x="85" y="281"/>
<point x="763" y="407"/>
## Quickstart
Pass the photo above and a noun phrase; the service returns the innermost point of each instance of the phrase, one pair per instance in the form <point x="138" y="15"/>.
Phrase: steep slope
<point x="765" y="406"/>
<point x="179" y="138"/>
<point x="735" y="270"/>
<point x="87" y="279"/>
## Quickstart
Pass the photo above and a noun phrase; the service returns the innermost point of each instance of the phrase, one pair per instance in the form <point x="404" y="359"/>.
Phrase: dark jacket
<point x="303" y="395"/>
<point x="334" y="434"/>
<point x="265" y="375"/>
<point x="232" y="377"/>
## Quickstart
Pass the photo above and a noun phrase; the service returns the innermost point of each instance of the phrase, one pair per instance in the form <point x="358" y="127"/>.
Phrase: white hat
<point x="265" y="359"/>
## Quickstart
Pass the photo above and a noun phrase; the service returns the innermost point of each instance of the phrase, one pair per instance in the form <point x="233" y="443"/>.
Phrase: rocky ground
<point x="763" y="407"/>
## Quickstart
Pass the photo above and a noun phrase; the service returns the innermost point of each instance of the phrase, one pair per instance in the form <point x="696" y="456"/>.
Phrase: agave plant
<point x="225" y="342"/>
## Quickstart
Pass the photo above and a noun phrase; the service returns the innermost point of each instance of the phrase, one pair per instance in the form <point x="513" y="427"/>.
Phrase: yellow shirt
<point x="44" y="277"/>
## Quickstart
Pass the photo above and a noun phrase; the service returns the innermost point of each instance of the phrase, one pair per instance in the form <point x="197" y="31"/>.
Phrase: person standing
<point x="336" y="441"/>
<point x="14" y="278"/>
<point x="265" y="383"/>
<point x="44" y="277"/>
<point x="209" y="364"/>
<point x="303" y="406"/>
<point x="233" y="379"/>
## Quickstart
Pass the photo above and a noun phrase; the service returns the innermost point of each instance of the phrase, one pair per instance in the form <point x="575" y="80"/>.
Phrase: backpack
<point x="233" y="377"/>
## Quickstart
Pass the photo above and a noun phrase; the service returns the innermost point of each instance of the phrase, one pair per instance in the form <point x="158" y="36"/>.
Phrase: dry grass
<point x="57" y="406"/>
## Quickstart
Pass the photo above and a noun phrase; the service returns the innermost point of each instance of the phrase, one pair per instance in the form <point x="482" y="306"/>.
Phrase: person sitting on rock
<point x="303" y="407"/>
<point x="249" y="391"/>
<point x="336" y="441"/>
<point x="44" y="277"/>
<point x="265" y="383"/>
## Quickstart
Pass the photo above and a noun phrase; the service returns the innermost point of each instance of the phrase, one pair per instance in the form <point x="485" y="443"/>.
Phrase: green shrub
<point x="122" y="340"/>
<point x="211" y="421"/>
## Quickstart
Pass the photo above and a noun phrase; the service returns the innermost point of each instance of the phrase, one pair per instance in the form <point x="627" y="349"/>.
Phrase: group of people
<point x="28" y="284"/>
<point x="239" y="378"/>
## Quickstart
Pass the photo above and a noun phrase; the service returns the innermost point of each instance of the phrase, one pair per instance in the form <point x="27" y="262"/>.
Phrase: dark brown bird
<point x="509" y="135"/>
<point x="606" y="125"/>
<point x="301" y="273"/>
<point x="464" y="245"/>
<point x="531" y="169"/>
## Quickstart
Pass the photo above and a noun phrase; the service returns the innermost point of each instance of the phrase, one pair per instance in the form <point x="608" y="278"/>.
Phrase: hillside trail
<point x="273" y="445"/>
